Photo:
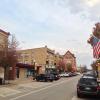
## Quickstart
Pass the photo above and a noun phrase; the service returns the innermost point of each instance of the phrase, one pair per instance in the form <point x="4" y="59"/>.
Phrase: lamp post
<point x="34" y="66"/>
<point x="34" y="63"/>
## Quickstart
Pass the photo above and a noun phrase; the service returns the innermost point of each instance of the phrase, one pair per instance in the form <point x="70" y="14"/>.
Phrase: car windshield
<point x="88" y="81"/>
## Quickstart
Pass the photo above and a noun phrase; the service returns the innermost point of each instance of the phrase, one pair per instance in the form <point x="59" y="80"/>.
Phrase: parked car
<point x="45" y="77"/>
<point x="78" y="73"/>
<point x="88" y="85"/>
<point x="64" y="75"/>
<point x="90" y="74"/>
<point x="49" y="77"/>
<point x="72" y="74"/>
<point x="61" y="74"/>
<point x="56" y="76"/>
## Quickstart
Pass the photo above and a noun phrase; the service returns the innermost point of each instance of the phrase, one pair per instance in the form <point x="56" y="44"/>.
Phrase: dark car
<point x="88" y="85"/>
<point x="45" y="77"/>
<point x="90" y="74"/>
<point x="49" y="77"/>
<point x="56" y="76"/>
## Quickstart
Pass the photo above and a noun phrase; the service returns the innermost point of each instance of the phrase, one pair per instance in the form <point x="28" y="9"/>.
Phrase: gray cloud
<point x="60" y="24"/>
<point x="85" y="8"/>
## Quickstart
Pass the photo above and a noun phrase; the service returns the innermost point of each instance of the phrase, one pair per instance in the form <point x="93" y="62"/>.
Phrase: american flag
<point x="96" y="50"/>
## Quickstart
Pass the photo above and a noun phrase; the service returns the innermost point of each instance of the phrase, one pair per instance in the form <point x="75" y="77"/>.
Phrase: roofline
<point x="70" y="53"/>
<point x="30" y="48"/>
<point x="36" y="48"/>
<point x="7" y="33"/>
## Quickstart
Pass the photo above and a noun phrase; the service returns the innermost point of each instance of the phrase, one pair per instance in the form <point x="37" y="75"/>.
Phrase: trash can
<point x="1" y="81"/>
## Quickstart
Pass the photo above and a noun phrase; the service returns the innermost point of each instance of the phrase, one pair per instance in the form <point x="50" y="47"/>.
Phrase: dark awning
<point x="21" y="65"/>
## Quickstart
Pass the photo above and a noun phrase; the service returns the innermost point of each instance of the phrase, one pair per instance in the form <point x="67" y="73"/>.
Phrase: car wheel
<point x="37" y="80"/>
<point x="45" y="80"/>
<point x="51" y="80"/>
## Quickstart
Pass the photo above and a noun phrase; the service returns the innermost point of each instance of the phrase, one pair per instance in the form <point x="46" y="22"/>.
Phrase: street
<point x="63" y="89"/>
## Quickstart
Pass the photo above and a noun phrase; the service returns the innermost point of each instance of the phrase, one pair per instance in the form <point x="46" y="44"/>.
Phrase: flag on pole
<point x="96" y="50"/>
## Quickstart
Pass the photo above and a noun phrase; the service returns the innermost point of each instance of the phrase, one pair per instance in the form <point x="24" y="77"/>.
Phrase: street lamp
<point x="33" y="69"/>
<point x="34" y="62"/>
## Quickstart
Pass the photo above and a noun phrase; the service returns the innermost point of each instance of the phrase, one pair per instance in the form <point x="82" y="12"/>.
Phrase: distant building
<point x="69" y="58"/>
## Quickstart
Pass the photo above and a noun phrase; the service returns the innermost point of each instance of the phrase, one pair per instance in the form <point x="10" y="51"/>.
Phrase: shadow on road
<point x="90" y="98"/>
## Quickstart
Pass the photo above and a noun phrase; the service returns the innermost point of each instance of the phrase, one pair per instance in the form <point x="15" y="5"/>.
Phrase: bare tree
<point x="96" y="30"/>
<point x="94" y="66"/>
<point x="95" y="36"/>
<point x="8" y="56"/>
<point x="61" y="66"/>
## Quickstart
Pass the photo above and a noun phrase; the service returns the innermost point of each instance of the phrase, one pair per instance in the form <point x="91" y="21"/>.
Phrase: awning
<point x="28" y="66"/>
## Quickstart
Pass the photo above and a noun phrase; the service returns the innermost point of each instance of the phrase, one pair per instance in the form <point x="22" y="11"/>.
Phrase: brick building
<point x="40" y="58"/>
<point x="69" y="58"/>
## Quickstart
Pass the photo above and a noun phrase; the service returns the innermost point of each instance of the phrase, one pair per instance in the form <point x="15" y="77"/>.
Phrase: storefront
<point x="24" y="70"/>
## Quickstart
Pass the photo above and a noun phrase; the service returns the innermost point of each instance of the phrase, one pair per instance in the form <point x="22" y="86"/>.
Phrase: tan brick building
<point x="40" y="57"/>
<point x="3" y="46"/>
<point x="58" y="58"/>
<point x="3" y="39"/>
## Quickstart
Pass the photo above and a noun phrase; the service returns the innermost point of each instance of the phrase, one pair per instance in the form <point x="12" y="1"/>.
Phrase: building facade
<point x="43" y="59"/>
<point x="3" y="47"/>
<point x="40" y="58"/>
<point x="69" y="59"/>
<point x="58" y="59"/>
<point x="3" y="39"/>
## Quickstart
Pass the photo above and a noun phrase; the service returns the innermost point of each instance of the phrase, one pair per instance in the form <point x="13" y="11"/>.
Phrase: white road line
<point x="41" y="89"/>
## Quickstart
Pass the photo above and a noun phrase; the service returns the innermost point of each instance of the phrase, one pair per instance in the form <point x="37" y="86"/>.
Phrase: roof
<point x="7" y="33"/>
<point x="88" y="77"/>
<point x="21" y="65"/>
<point x="70" y="53"/>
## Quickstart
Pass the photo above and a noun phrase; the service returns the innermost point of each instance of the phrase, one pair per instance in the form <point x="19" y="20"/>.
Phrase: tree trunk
<point x="6" y="74"/>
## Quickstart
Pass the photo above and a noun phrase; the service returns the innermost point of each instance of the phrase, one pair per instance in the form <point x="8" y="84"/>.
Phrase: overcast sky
<point x="60" y="24"/>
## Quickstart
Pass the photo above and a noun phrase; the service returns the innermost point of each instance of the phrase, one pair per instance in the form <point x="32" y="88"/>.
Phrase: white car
<point x="78" y="73"/>
<point x="64" y="75"/>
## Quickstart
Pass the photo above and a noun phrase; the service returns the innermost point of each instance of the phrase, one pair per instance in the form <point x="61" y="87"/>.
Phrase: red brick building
<point x="69" y="58"/>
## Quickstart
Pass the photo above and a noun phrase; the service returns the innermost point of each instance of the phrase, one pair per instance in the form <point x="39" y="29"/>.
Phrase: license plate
<point x="87" y="88"/>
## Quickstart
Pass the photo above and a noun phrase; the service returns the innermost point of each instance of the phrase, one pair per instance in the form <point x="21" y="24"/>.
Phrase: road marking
<point x="33" y="92"/>
<point x="8" y="92"/>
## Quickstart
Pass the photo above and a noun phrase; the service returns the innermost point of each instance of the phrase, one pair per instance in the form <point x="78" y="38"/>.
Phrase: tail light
<point x="98" y="87"/>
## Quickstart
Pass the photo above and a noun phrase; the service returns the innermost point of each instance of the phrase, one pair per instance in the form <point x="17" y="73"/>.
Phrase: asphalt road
<point x="64" y="89"/>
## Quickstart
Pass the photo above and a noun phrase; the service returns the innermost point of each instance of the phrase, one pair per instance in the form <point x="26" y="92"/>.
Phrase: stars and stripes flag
<point x="96" y="50"/>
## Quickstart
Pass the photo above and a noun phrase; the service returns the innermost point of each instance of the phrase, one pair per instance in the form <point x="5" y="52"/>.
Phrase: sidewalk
<point x="11" y="83"/>
<point x="20" y="86"/>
